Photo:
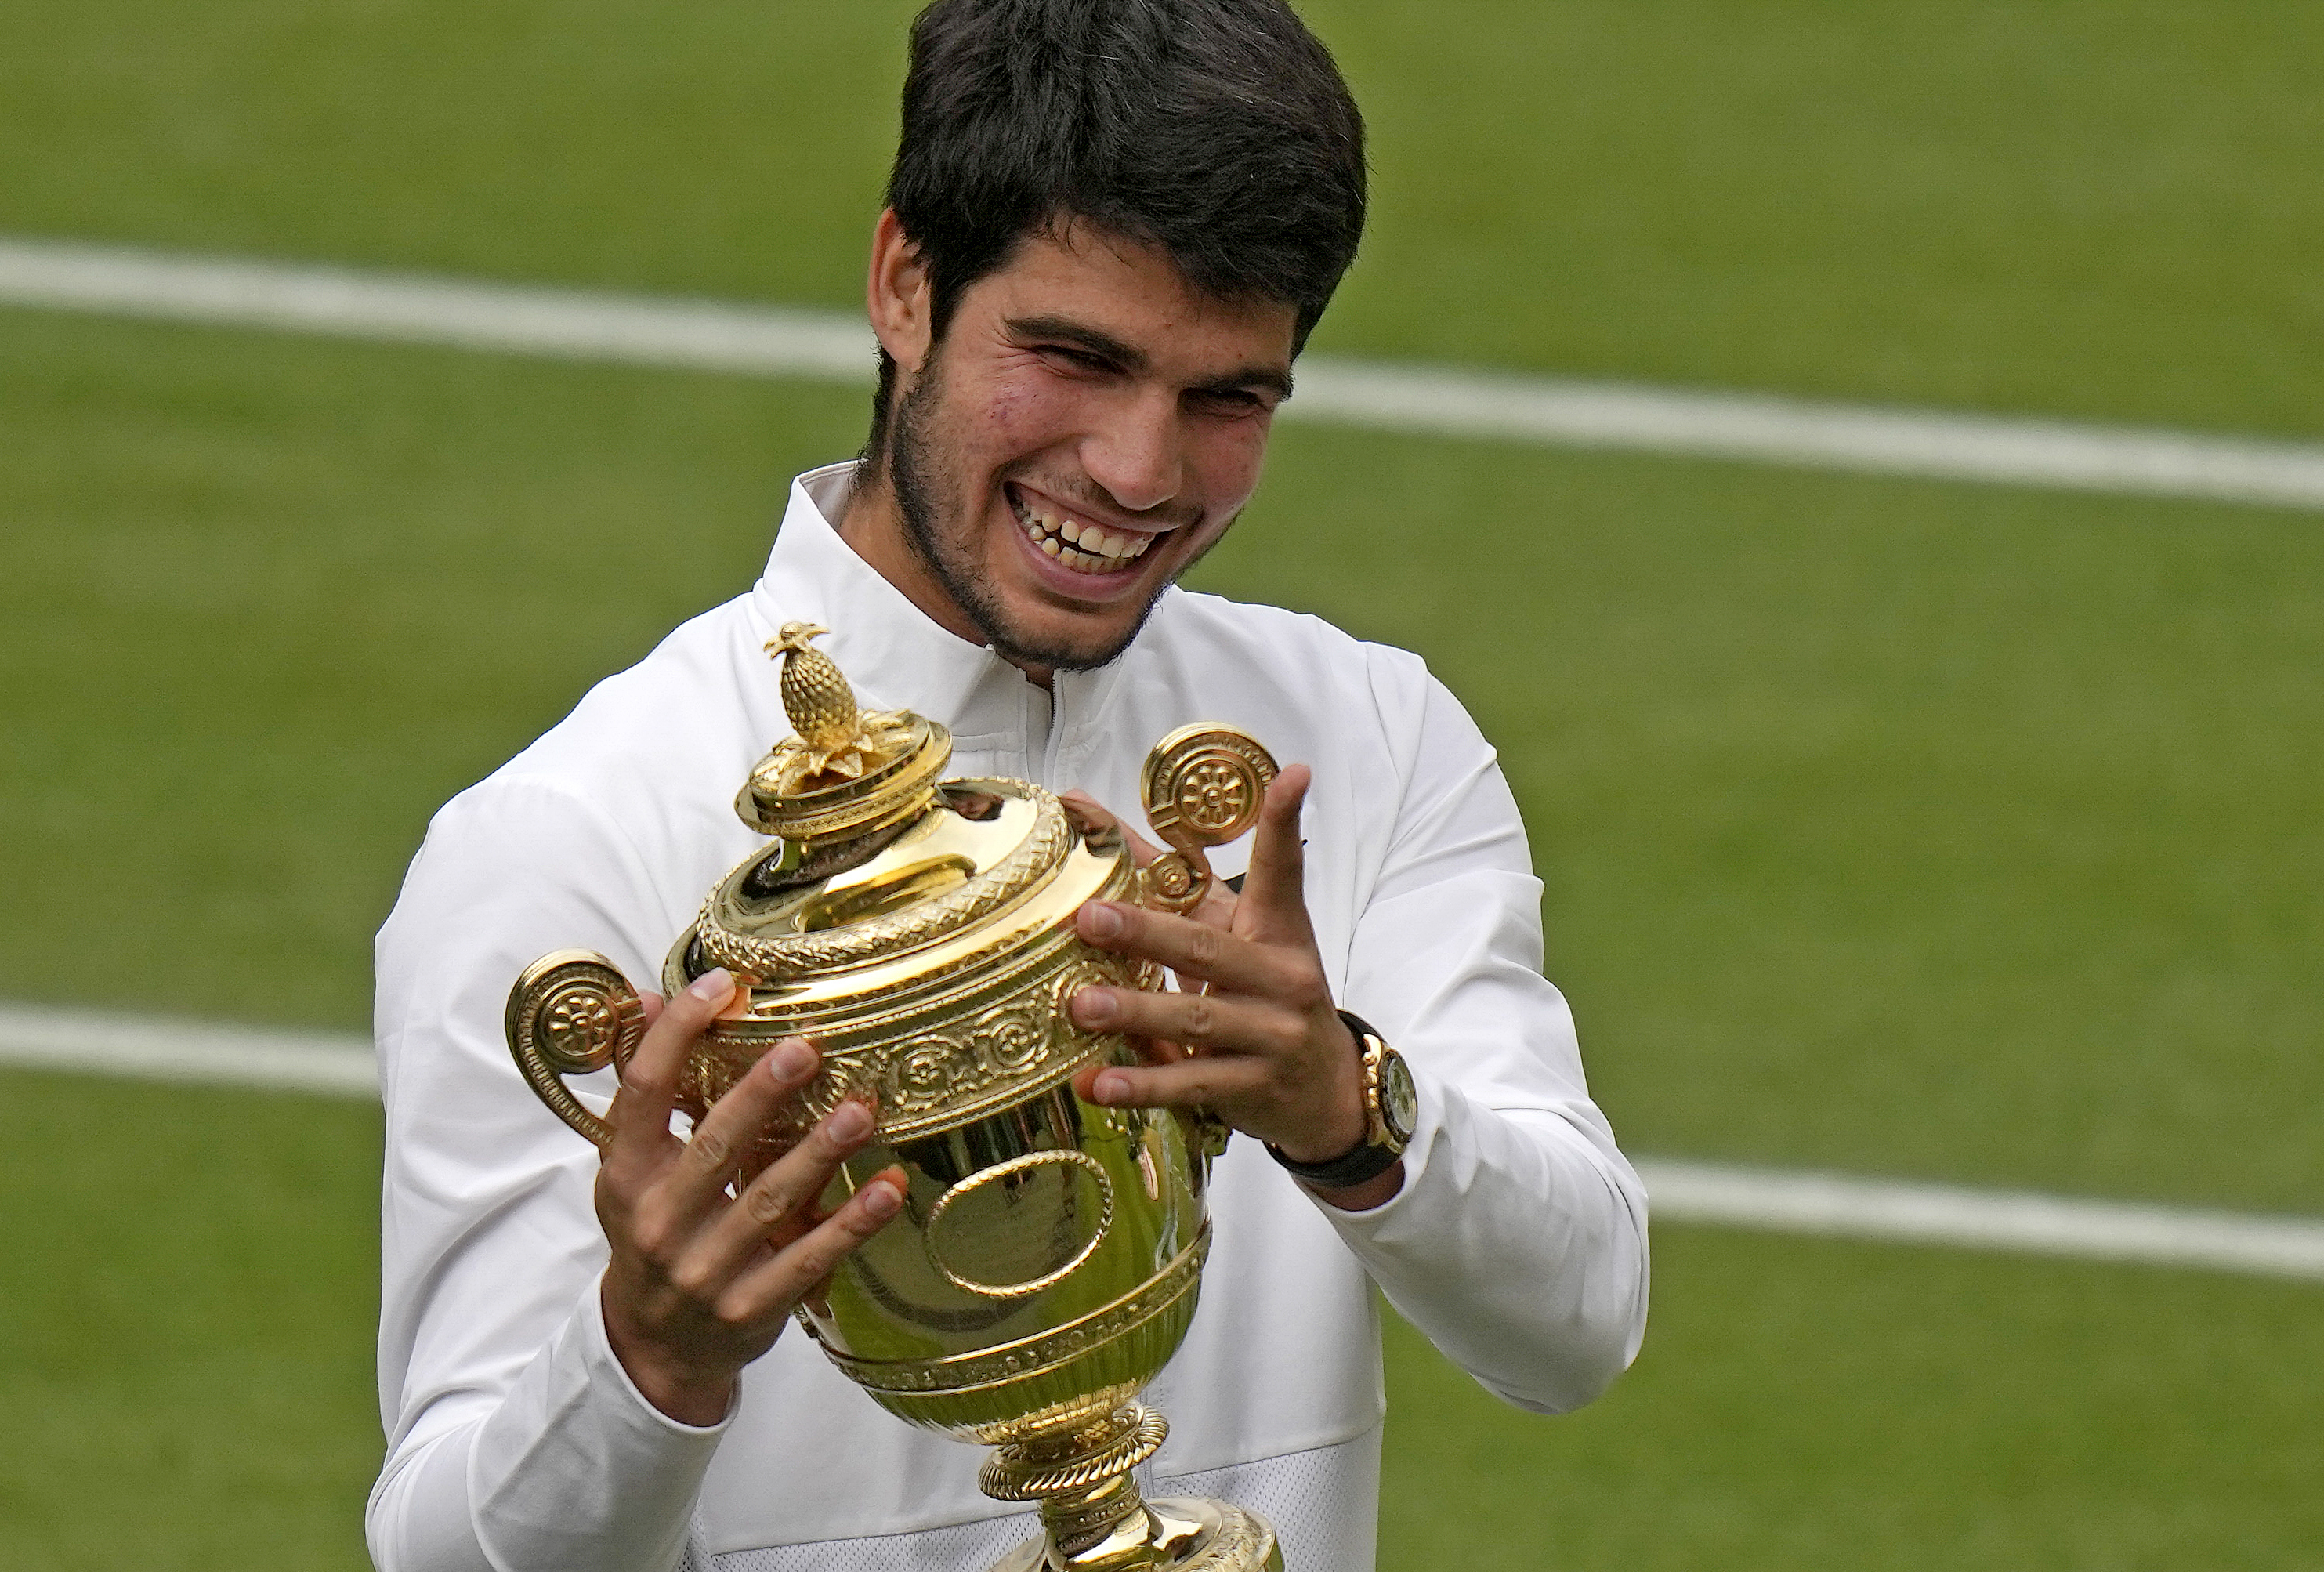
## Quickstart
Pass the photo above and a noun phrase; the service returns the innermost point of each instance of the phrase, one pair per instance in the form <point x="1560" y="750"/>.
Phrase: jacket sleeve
<point x="1518" y="1243"/>
<point x="515" y="1439"/>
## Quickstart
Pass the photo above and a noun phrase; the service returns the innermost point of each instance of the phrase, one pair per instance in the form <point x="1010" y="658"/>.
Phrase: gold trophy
<point x="1046" y="1261"/>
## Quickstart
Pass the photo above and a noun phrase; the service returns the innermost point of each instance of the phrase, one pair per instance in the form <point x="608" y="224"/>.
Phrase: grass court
<point x="1898" y="827"/>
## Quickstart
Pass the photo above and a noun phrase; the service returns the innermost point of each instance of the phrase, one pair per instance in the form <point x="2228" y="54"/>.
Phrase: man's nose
<point x="1135" y="453"/>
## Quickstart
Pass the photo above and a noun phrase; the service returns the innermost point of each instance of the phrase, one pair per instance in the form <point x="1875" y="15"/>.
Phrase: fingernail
<point x="714" y="984"/>
<point x="850" y="1121"/>
<point x="881" y="1200"/>
<point x="791" y="1060"/>
<point x="1105" y="921"/>
<point x="1110" y="1088"/>
<point x="1095" y="1007"/>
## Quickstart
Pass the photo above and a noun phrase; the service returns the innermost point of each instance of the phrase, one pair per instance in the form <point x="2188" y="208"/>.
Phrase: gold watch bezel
<point x="1379" y="1129"/>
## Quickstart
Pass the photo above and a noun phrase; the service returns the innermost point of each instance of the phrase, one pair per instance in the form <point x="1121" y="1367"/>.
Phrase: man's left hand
<point x="1252" y="1033"/>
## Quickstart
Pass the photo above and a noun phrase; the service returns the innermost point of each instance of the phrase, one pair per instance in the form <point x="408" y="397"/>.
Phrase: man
<point x="1110" y="230"/>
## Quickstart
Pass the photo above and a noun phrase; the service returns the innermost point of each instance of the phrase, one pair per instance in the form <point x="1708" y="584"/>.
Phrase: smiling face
<point x="1087" y="428"/>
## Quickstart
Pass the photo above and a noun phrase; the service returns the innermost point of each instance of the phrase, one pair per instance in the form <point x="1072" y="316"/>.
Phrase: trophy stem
<point x="1094" y="1520"/>
<point x="1106" y="1526"/>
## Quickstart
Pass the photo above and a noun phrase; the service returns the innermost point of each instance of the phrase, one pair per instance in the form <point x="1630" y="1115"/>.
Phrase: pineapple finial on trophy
<point x="816" y="696"/>
<point x="845" y="771"/>
<point x="836" y="738"/>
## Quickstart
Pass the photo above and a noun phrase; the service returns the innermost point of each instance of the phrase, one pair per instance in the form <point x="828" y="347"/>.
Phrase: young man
<point x="1110" y="230"/>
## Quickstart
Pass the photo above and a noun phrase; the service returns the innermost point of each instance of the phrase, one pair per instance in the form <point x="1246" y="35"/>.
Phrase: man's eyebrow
<point x="1272" y="379"/>
<point x="1066" y="330"/>
<point x="1106" y="346"/>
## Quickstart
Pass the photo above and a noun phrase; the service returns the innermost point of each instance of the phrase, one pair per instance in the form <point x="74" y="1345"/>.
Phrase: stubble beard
<point x="943" y="534"/>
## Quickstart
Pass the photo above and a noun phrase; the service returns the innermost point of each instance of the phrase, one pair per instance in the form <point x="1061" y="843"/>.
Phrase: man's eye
<point x="1231" y="402"/>
<point x="1078" y="359"/>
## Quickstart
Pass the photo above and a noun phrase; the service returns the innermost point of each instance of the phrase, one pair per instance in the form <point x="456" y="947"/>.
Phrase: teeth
<point x="1101" y="551"/>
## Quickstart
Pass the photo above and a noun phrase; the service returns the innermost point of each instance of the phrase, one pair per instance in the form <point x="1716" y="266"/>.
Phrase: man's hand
<point x="701" y="1281"/>
<point x="1253" y="1034"/>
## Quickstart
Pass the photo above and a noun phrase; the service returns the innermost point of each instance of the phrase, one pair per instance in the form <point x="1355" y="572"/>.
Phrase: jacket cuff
<point x="578" y="1471"/>
<point x="1427" y="1131"/>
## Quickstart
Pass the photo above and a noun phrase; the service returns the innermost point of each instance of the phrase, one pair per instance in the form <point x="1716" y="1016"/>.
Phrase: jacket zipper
<point x="1053" y="750"/>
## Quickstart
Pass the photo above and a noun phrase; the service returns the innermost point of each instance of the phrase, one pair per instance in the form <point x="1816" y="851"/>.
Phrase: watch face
<point x="1399" y="1103"/>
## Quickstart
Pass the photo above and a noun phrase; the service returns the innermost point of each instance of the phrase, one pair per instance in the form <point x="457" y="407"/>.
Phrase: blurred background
<point x="1905" y="827"/>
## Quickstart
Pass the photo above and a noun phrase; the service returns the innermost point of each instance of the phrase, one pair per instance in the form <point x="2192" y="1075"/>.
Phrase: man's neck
<point x="873" y="527"/>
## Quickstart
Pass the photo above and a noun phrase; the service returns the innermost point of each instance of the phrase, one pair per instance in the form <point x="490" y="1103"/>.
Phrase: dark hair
<point x="1217" y="131"/>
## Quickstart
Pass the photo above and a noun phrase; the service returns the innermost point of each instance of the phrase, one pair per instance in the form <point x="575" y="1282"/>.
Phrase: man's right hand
<point x="702" y="1281"/>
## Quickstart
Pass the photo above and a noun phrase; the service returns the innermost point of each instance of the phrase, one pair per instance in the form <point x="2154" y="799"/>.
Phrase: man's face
<point x="1087" y="428"/>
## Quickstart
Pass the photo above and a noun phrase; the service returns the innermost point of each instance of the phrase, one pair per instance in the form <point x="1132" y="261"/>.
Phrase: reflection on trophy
<point x="1045" y="1263"/>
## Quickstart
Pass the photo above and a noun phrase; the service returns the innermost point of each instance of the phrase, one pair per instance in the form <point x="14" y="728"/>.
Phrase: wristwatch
<point x="1391" y="1107"/>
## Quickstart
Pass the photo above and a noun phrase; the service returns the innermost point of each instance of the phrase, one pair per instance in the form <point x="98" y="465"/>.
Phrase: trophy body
<point x="1048" y="1254"/>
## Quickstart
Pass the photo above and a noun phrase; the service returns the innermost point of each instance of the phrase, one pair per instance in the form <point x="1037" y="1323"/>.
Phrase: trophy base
<point x="1185" y="1534"/>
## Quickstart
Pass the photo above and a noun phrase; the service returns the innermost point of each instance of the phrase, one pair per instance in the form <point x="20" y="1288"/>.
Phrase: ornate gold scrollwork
<point x="1203" y="786"/>
<point x="572" y="1013"/>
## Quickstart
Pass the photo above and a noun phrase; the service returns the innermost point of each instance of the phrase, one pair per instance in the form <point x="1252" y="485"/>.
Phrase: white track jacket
<point x="516" y="1443"/>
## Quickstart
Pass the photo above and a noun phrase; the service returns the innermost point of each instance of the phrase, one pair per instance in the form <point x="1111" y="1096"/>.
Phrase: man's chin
<point x="1058" y="652"/>
<point x="1063" y="642"/>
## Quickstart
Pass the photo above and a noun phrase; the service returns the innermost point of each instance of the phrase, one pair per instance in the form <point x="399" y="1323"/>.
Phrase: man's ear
<point x="897" y="294"/>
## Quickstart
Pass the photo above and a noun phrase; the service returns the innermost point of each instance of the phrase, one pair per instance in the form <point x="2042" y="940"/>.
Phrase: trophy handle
<point x="1201" y="789"/>
<point x="571" y="1012"/>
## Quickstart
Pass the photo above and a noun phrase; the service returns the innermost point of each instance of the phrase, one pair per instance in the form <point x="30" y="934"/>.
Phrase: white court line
<point x="831" y="346"/>
<point x="1845" y="1207"/>
<point x="84" y="1042"/>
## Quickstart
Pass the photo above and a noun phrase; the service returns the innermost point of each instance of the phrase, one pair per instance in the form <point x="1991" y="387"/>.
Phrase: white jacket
<point x="1518" y="1243"/>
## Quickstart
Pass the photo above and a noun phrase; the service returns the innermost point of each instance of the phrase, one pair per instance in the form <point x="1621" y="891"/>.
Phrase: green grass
<point x="188" y="1283"/>
<point x="2096" y="206"/>
<point x="1811" y="1405"/>
<point x="275" y="602"/>
<point x="1907" y="828"/>
<point x="1888" y="826"/>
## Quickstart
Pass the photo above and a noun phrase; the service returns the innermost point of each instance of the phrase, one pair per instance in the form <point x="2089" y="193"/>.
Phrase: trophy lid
<point x="844" y="772"/>
<point x="875" y="857"/>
